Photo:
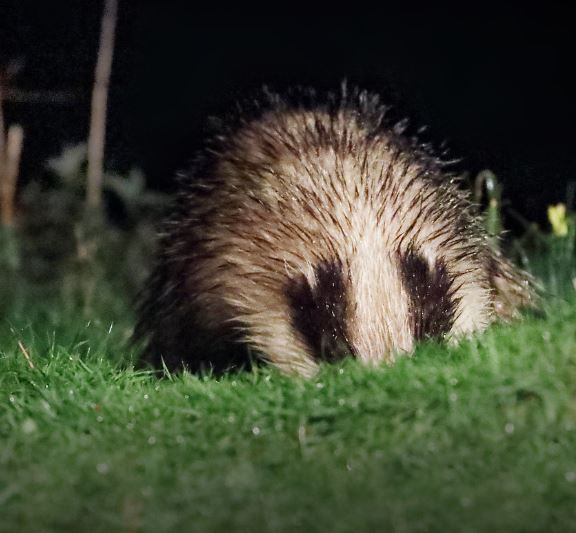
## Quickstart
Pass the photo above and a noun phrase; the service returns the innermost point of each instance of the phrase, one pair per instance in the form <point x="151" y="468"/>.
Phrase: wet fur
<point x="314" y="230"/>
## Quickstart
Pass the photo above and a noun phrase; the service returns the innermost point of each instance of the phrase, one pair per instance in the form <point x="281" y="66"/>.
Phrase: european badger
<point x="316" y="230"/>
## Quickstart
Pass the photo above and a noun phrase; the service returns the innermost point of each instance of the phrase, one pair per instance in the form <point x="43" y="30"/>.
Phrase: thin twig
<point x="11" y="168"/>
<point x="28" y="96"/>
<point x="97" y="132"/>
<point x="26" y="354"/>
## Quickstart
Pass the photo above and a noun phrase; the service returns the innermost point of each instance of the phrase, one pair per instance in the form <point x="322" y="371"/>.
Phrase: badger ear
<point x="512" y="288"/>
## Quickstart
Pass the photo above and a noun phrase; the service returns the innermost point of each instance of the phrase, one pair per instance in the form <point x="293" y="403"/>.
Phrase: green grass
<point x="480" y="437"/>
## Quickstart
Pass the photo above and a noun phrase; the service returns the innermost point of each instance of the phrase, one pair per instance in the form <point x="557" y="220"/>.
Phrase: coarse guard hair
<point x="311" y="229"/>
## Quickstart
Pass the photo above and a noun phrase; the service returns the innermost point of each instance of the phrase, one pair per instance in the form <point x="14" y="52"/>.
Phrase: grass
<point x="479" y="437"/>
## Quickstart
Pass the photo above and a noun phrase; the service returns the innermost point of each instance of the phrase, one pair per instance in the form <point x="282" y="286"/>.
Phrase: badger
<point x="313" y="228"/>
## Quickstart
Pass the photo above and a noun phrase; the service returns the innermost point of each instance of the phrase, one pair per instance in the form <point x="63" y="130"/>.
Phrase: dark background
<point x="495" y="84"/>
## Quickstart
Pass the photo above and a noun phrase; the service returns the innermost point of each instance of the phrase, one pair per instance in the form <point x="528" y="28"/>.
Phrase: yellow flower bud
<point x="558" y="220"/>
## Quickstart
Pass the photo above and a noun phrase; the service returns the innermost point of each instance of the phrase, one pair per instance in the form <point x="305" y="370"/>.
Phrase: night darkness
<point x="494" y="84"/>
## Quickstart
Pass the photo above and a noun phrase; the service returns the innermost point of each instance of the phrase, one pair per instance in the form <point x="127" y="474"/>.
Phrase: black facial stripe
<point x="432" y="304"/>
<point x="319" y="312"/>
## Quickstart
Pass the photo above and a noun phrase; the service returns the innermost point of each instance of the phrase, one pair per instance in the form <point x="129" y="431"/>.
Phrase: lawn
<point x="480" y="437"/>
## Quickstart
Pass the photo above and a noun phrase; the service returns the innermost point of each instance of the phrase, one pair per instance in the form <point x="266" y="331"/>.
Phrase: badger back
<point x="313" y="232"/>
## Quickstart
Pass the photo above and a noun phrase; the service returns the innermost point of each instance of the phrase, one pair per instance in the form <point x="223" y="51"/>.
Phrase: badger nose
<point x="382" y="346"/>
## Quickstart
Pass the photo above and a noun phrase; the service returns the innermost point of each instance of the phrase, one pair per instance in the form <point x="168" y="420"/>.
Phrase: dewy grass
<point x="479" y="437"/>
